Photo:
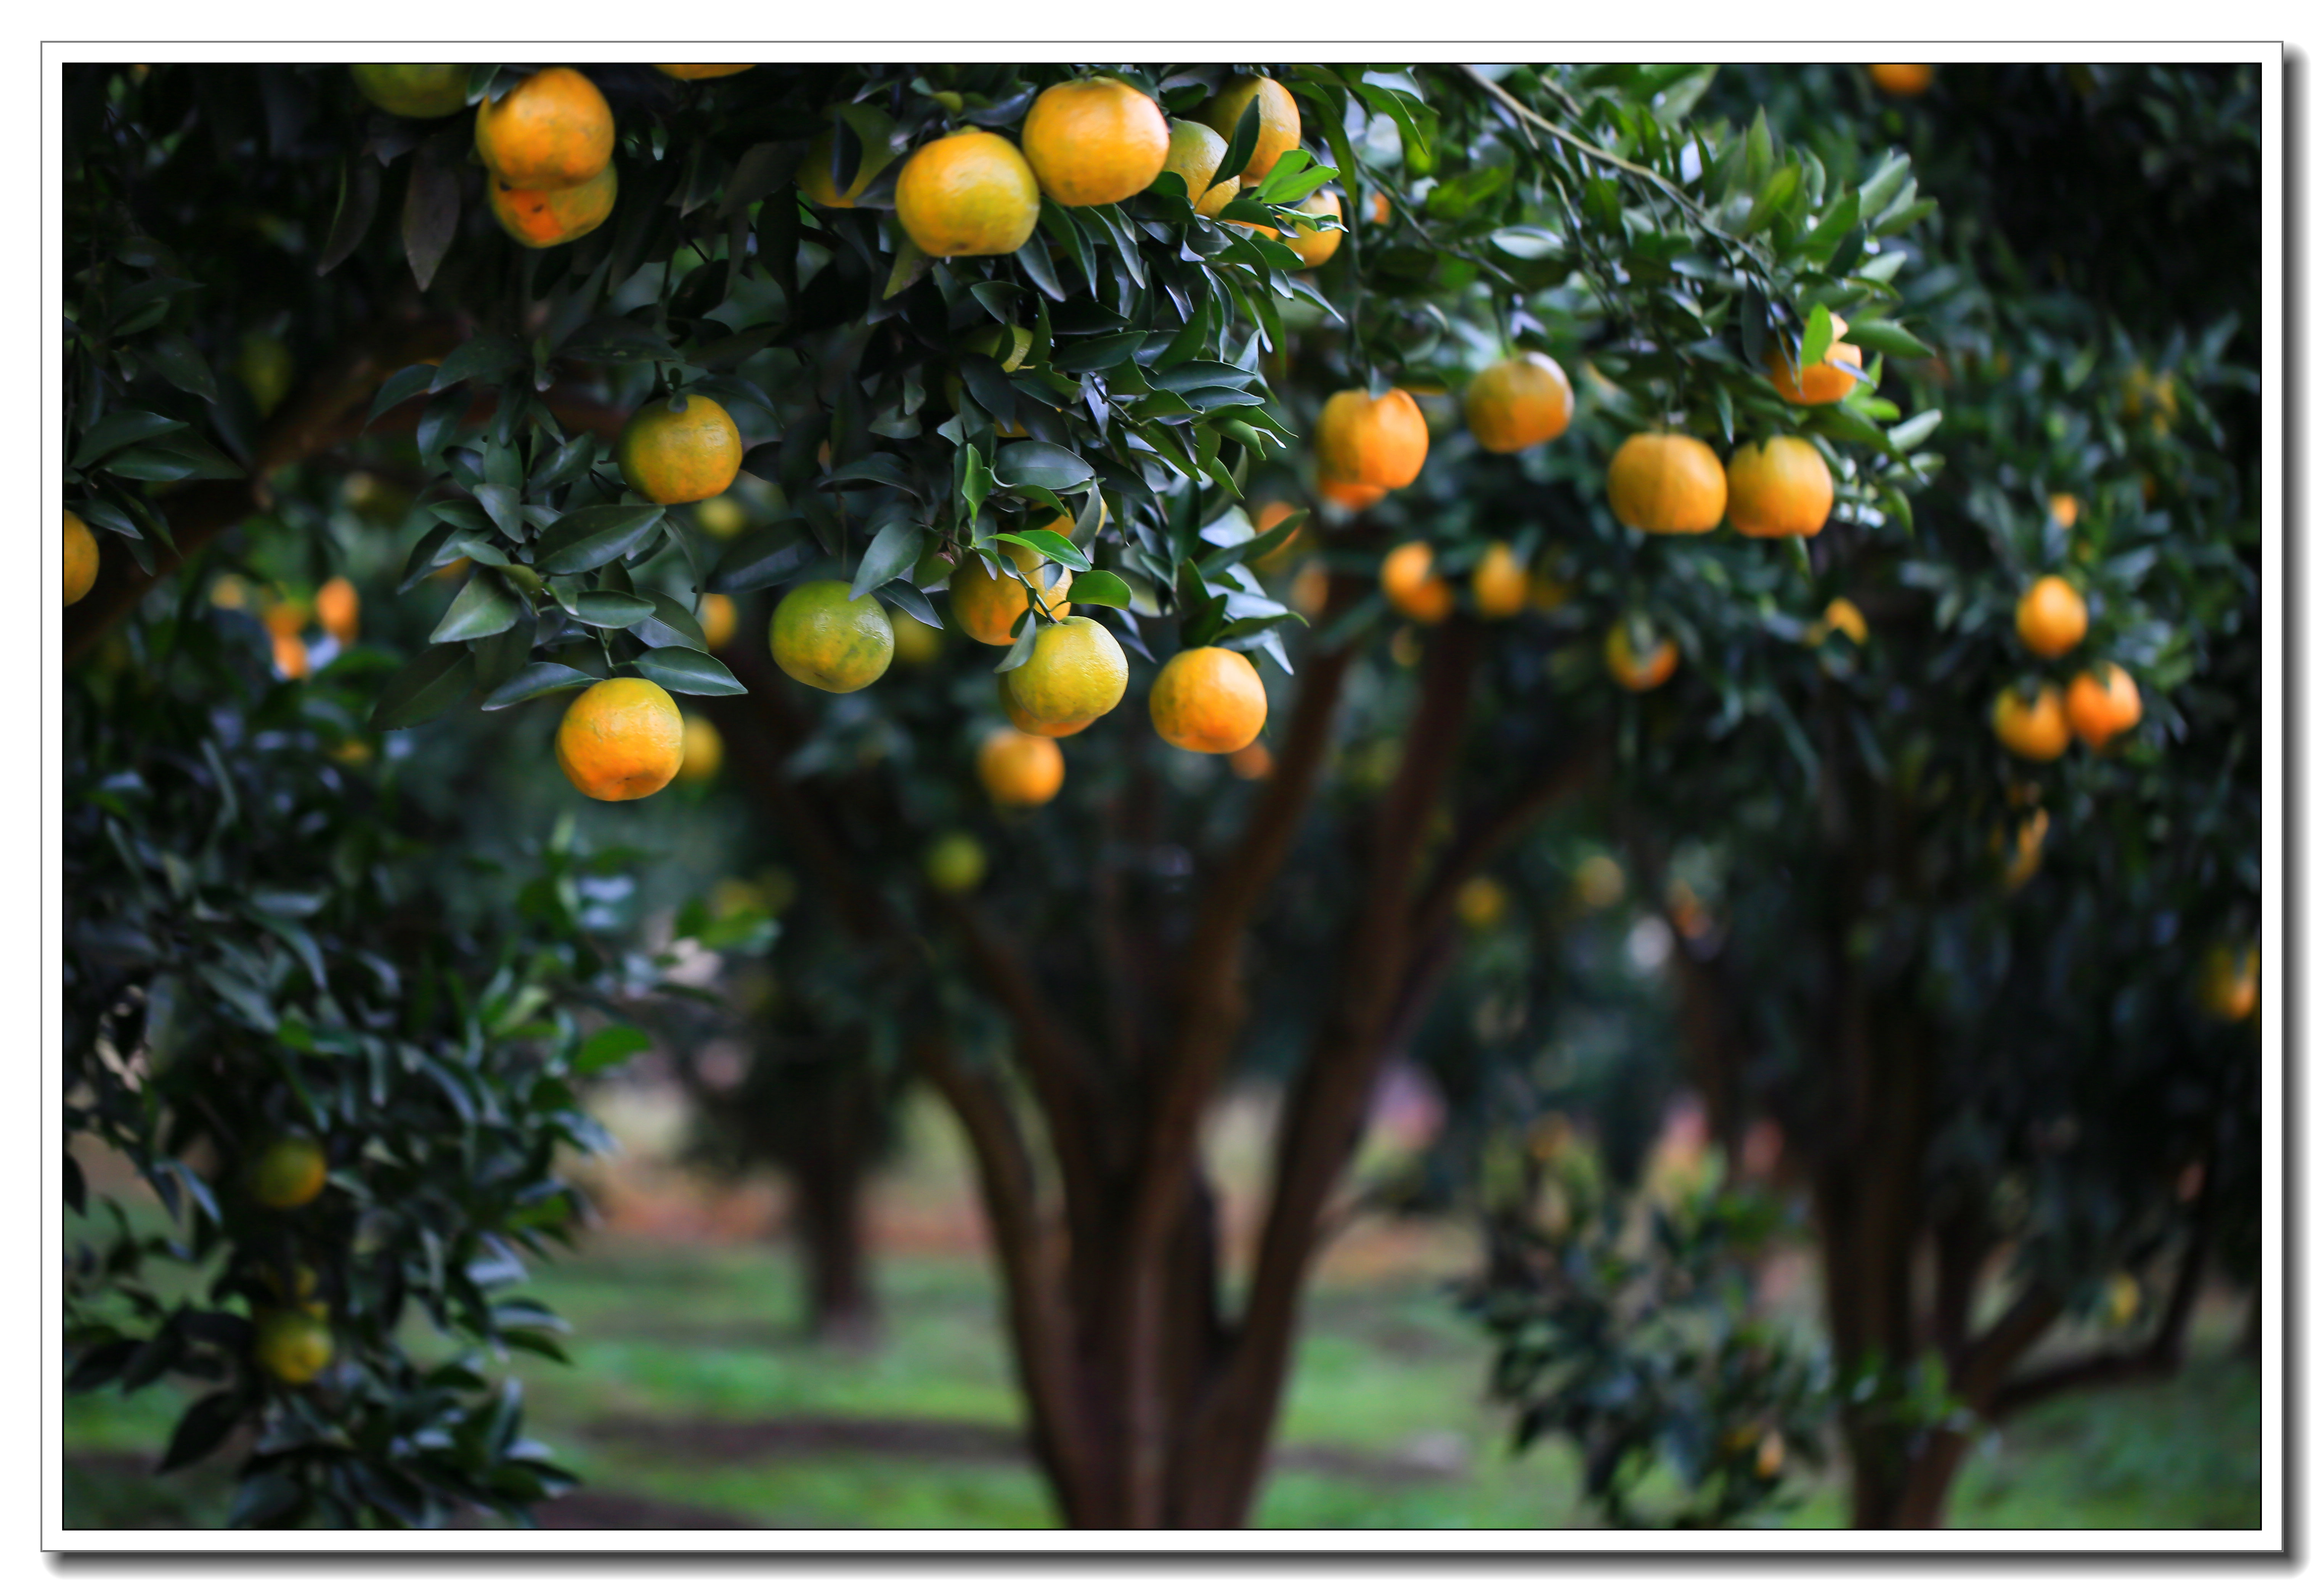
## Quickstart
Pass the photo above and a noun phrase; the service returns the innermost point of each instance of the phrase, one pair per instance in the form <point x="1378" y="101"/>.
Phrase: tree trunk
<point x="1911" y="1491"/>
<point x="827" y="1186"/>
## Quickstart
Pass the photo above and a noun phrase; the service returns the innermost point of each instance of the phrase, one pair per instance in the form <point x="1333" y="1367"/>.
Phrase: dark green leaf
<point x="688" y="671"/>
<point x="536" y="680"/>
<point x="588" y="538"/>
<point x="488" y="358"/>
<point x="426" y="686"/>
<point x="1102" y="586"/>
<point x="1039" y="464"/>
<point x="484" y="607"/>
<point x="182" y="365"/>
<point x="893" y="552"/>
<point x="765" y="557"/>
<point x="119" y="429"/>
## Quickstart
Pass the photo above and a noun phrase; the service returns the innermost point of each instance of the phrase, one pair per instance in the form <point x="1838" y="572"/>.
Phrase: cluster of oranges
<point x="2098" y="705"/>
<point x="1093" y="140"/>
<point x="292" y="1340"/>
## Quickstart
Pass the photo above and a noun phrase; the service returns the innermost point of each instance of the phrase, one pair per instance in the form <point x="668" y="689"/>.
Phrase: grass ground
<point x="691" y="1402"/>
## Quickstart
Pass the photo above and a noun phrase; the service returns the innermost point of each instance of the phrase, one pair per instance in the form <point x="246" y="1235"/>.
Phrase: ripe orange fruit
<point x="542" y="218"/>
<point x="987" y="605"/>
<point x="717" y="618"/>
<point x="1253" y="762"/>
<point x="1411" y="590"/>
<point x="824" y="638"/>
<point x="286" y="618"/>
<point x="1372" y="442"/>
<point x="1278" y="121"/>
<point x="1268" y="517"/>
<point x="288" y="1174"/>
<point x="1630" y="672"/>
<point x="291" y="656"/>
<point x="1095" y="141"/>
<point x="1076" y="672"/>
<point x="80" y="559"/>
<point x="701" y="749"/>
<point x="1208" y="699"/>
<point x="340" y="610"/>
<point x="621" y="740"/>
<point x="1194" y="153"/>
<point x="1313" y="248"/>
<point x="1664" y="481"/>
<point x="294" y="1344"/>
<point x="1378" y="209"/>
<point x="2038" y="730"/>
<point x="413" y="91"/>
<point x="968" y="193"/>
<point x="2102" y="705"/>
<point x="694" y="74"/>
<point x="1843" y="616"/>
<point x="681" y="452"/>
<point x="1038" y="727"/>
<point x="1824" y="382"/>
<point x="2027" y="861"/>
<point x="2052" y="617"/>
<point x="1352" y="496"/>
<point x="954" y="863"/>
<point x="1310" y="588"/>
<point x="1499" y="583"/>
<point x="1903" y="82"/>
<point x="2065" y="509"/>
<point x="1018" y="770"/>
<point x="1519" y="401"/>
<point x="2227" y="984"/>
<point x="814" y="174"/>
<point x="1778" y="488"/>
<point x="553" y="130"/>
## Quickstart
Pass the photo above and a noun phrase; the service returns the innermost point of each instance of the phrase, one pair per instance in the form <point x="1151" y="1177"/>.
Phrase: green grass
<point x="1386" y="1371"/>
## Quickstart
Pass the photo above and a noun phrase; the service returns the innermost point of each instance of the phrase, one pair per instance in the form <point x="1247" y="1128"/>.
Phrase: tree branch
<point x="1323" y="1114"/>
<point x="1030" y="1269"/>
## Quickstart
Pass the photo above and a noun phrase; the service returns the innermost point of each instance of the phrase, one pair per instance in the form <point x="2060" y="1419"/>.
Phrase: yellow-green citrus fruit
<point x="553" y="130"/>
<point x="542" y="218"/>
<point x="288" y="1174"/>
<point x="917" y="642"/>
<point x="822" y="638"/>
<point x="294" y="1344"/>
<point x="1208" y="699"/>
<point x="1778" y="488"/>
<point x="1038" y="727"/>
<point x="1195" y="152"/>
<point x="1518" y="402"/>
<point x="263" y="364"/>
<point x="413" y="91"/>
<point x="954" y="863"/>
<point x="1278" y="121"/>
<point x="701" y="749"/>
<point x="681" y="451"/>
<point x="1095" y="141"/>
<point x="80" y="559"/>
<point x="1078" y="671"/>
<point x="968" y="193"/>
<point x="621" y="740"/>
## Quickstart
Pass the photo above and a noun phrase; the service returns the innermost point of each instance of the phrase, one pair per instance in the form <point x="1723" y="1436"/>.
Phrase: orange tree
<point x="846" y="289"/>
<point x="1974" y="973"/>
<point x="343" y="1053"/>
